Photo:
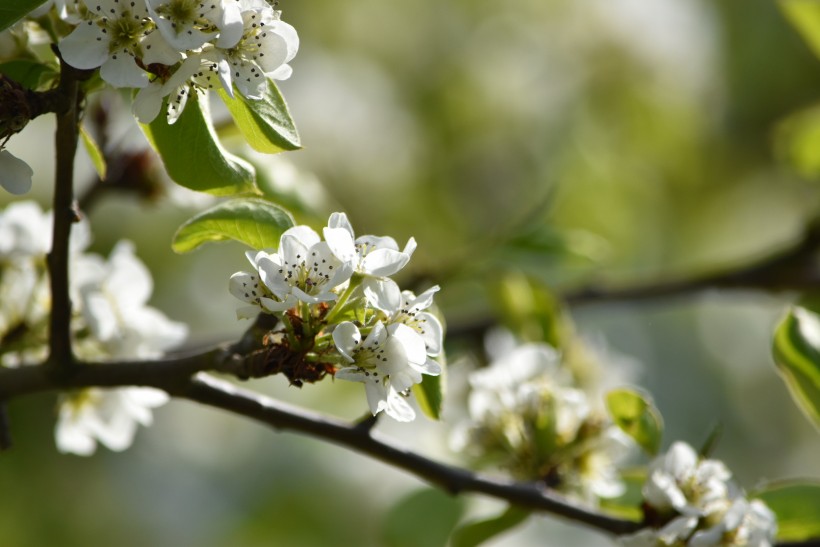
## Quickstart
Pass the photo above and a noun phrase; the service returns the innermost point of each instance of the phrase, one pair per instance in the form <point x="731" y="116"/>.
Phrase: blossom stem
<point x="65" y="213"/>
<point x="342" y="300"/>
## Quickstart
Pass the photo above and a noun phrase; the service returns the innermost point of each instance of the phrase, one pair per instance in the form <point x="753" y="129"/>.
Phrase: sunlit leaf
<point x="425" y="517"/>
<point x="796" y="351"/>
<point x="797" y="142"/>
<point x="193" y="156"/>
<point x="430" y="394"/>
<point x="637" y="416"/>
<point x="476" y="533"/>
<point x="13" y="10"/>
<point x="94" y="152"/>
<point x="797" y="506"/>
<point x="805" y="16"/>
<point x="265" y="123"/>
<point x="252" y="221"/>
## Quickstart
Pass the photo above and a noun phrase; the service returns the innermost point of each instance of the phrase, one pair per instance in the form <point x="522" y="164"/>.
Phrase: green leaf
<point x="193" y="156"/>
<point x="637" y="416"/>
<point x="425" y="517"/>
<point x="476" y="533"/>
<point x="805" y="16"/>
<point x="265" y="123"/>
<point x="430" y="394"/>
<point x="797" y="507"/>
<point x="12" y="11"/>
<point x="796" y="351"/>
<point x="252" y="221"/>
<point x="797" y="142"/>
<point x="28" y="73"/>
<point x="94" y="152"/>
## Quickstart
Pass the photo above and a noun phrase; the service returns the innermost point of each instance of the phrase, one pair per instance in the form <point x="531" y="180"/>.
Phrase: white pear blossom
<point x="108" y="416"/>
<point x="368" y="255"/>
<point x="113" y="296"/>
<point x="195" y="74"/>
<point x="680" y="480"/>
<point x="527" y="416"/>
<point x="111" y="39"/>
<point x="265" y="47"/>
<point x="248" y="288"/>
<point x="389" y="361"/>
<point x="703" y="507"/>
<point x="407" y="308"/>
<point x="742" y="523"/>
<point x="15" y="174"/>
<point x="302" y="269"/>
<point x="189" y="24"/>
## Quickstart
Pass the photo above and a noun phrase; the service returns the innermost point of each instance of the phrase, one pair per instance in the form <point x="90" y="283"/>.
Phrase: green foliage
<point x="430" y="394"/>
<point x="637" y="416"/>
<point x="252" y="221"/>
<point x="796" y="351"/>
<point x="266" y="123"/>
<point x="797" y="506"/>
<point x="13" y="10"/>
<point x="425" y="517"/>
<point x="477" y="532"/>
<point x="798" y="141"/>
<point x="94" y="152"/>
<point x="805" y="16"/>
<point x="193" y="156"/>
<point x="28" y="73"/>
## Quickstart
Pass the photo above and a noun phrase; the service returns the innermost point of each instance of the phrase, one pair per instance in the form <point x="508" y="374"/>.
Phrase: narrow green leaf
<point x="252" y="221"/>
<point x="797" y="507"/>
<point x="637" y="416"/>
<point x="430" y="394"/>
<point x="476" y="533"/>
<point x="265" y="123"/>
<point x="425" y="517"/>
<point x="805" y="16"/>
<point x="26" y="72"/>
<point x="796" y="351"/>
<point x="193" y="156"/>
<point x="12" y="11"/>
<point x="94" y="152"/>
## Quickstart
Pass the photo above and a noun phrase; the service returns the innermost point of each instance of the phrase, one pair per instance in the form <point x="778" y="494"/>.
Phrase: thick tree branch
<point x="182" y="377"/>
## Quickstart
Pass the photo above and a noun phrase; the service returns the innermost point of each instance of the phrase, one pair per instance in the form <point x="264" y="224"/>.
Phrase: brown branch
<point x="65" y="214"/>
<point x="795" y="268"/>
<point x="181" y="377"/>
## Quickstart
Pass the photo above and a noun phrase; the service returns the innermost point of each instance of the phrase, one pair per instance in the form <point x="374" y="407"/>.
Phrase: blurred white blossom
<point x="697" y="504"/>
<point x="109" y="416"/>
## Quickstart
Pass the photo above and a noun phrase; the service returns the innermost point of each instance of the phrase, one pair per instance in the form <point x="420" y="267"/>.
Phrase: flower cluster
<point x="699" y="506"/>
<point x="342" y="314"/>
<point x="111" y="320"/>
<point x="173" y="48"/>
<point x="528" y="416"/>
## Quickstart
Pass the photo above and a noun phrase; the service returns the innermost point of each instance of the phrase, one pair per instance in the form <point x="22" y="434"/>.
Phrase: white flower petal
<point x="347" y="338"/>
<point x="121" y="70"/>
<point x="86" y="47"/>
<point x="15" y="174"/>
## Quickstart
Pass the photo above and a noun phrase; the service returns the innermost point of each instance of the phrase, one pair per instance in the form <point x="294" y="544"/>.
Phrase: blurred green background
<point x="636" y="140"/>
